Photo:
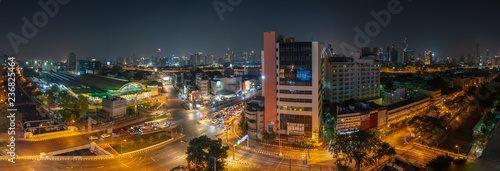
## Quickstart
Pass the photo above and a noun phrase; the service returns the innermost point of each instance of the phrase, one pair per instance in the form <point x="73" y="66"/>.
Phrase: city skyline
<point x="106" y="29"/>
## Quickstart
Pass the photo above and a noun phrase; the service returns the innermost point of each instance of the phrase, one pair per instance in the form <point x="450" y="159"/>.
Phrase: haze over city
<point x="111" y="29"/>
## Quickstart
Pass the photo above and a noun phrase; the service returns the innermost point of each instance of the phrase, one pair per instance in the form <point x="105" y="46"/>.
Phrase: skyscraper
<point x="428" y="57"/>
<point x="291" y="86"/>
<point x="394" y="55"/>
<point x="488" y="59"/>
<point x="71" y="61"/>
<point x="478" y="56"/>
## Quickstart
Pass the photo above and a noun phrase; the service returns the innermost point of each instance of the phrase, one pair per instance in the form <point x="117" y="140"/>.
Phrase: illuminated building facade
<point x="291" y="86"/>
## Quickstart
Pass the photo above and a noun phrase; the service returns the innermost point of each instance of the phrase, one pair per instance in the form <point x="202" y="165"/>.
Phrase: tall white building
<point x="351" y="78"/>
<point x="291" y="83"/>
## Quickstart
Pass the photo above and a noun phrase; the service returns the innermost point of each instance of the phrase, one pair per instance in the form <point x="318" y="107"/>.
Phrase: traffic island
<point x="130" y="145"/>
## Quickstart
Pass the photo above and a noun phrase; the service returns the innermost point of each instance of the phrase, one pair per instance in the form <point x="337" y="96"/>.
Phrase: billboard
<point x="295" y="129"/>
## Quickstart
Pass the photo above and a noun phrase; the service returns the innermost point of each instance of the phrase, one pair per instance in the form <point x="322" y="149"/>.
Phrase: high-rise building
<point x="488" y="59"/>
<point x="394" y="55"/>
<point x="195" y="59"/>
<point x="71" y="61"/>
<point x="478" y="56"/>
<point x="229" y="55"/>
<point x="353" y="77"/>
<point x="428" y="57"/>
<point x="291" y="86"/>
<point x="380" y="54"/>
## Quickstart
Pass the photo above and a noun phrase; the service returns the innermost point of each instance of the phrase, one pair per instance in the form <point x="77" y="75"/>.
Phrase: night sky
<point x="120" y="28"/>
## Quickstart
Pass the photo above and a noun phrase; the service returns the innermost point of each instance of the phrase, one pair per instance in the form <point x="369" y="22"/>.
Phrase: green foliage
<point x="439" y="83"/>
<point x="73" y="108"/>
<point x="306" y="142"/>
<point x="5" y="121"/>
<point x="217" y="151"/>
<point x="424" y="125"/>
<point x="362" y="147"/>
<point x="243" y="123"/>
<point x="441" y="162"/>
<point x="54" y="90"/>
<point x="330" y="132"/>
<point x="203" y="150"/>
<point x="268" y="136"/>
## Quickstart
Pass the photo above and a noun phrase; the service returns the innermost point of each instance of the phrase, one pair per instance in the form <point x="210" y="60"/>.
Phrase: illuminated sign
<point x="218" y="84"/>
<point x="242" y="139"/>
<point x="295" y="129"/>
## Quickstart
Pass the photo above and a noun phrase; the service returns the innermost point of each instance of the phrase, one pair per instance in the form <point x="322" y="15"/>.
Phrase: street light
<point x="458" y="149"/>
<point x="39" y="130"/>
<point x="121" y="145"/>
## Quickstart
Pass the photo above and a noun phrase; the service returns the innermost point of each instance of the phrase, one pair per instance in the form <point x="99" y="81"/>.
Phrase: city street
<point x="165" y="157"/>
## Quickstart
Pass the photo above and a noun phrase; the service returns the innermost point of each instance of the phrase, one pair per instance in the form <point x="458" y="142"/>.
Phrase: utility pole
<point x="215" y="163"/>
<point x="290" y="164"/>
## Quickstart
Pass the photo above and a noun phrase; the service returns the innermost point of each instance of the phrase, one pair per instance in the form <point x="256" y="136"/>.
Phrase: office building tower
<point x="351" y="78"/>
<point x="488" y="59"/>
<point x="428" y="57"/>
<point x="394" y="55"/>
<point x="380" y="54"/>
<point x="71" y="61"/>
<point x="478" y="56"/>
<point x="291" y="86"/>
<point x="195" y="59"/>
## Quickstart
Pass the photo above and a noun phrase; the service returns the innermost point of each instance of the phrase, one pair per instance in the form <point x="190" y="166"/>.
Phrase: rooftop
<point x="101" y="82"/>
<point x="359" y="107"/>
<point x="406" y="102"/>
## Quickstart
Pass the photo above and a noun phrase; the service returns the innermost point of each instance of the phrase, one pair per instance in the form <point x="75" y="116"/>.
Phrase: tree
<point x="439" y="83"/>
<point x="217" y="152"/>
<point x="203" y="150"/>
<point x="6" y="121"/>
<point x="195" y="151"/>
<point x="268" y="136"/>
<point x="329" y="132"/>
<point x="307" y="143"/>
<point x="243" y="123"/>
<point x="51" y="99"/>
<point x="73" y="108"/>
<point x="54" y="90"/>
<point x="362" y="147"/>
<point x="441" y="162"/>
<point x="389" y="85"/>
<point x="424" y="125"/>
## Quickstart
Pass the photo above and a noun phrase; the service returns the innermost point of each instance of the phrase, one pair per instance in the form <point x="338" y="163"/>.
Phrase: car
<point x="105" y="135"/>
<point x="93" y="138"/>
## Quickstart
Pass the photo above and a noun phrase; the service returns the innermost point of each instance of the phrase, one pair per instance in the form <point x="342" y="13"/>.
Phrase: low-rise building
<point x="394" y="96"/>
<point x="400" y="111"/>
<point x="366" y="115"/>
<point x="360" y="116"/>
<point x="254" y="115"/>
<point x="435" y="95"/>
<point x="226" y="85"/>
<point x="115" y="106"/>
<point x="204" y="85"/>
